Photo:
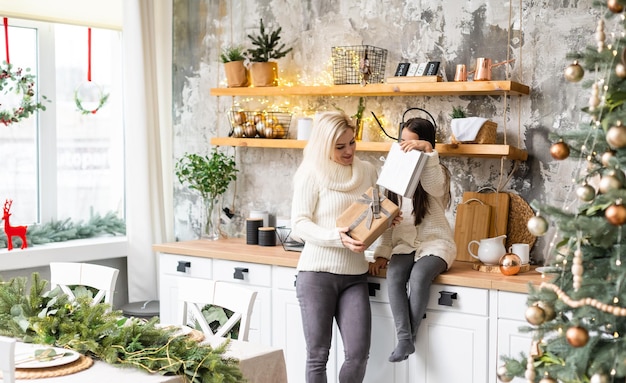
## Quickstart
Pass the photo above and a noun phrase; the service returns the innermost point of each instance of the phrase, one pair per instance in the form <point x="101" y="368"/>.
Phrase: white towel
<point x="466" y="129"/>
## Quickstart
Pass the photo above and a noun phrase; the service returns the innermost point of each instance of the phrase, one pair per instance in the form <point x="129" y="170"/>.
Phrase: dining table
<point x="258" y="364"/>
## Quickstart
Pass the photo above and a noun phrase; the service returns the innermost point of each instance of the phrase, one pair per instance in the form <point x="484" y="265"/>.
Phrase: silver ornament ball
<point x="537" y="226"/>
<point x="574" y="72"/>
<point x="599" y="378"/>
<point x="585" y="193"/>
<point x="503" y="375"/>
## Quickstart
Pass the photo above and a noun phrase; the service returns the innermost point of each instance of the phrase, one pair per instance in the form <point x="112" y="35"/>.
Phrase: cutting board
<point x="499" y="203"/>
<point x="473" y="218"/>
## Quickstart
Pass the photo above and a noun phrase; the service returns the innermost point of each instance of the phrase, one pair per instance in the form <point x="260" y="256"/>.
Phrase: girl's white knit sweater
<point x="434" y="235"/>
<point x="321" y="194"/>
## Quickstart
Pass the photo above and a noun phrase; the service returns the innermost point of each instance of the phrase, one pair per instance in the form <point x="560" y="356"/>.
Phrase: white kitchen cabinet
<point x="511" y="316"/>
<point x="259" y="278"/>
<point x="287" y="329"/>
<point x="452" y="342"/>
<point x="173" y="267"/>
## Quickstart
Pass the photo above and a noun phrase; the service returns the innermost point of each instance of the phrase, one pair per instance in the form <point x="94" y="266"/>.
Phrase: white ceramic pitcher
<point x="490" y="250"/>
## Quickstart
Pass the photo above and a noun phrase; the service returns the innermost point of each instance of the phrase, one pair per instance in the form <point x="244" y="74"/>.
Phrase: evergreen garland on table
<point x="66" y="230"/>
<point x="50" y="318"/>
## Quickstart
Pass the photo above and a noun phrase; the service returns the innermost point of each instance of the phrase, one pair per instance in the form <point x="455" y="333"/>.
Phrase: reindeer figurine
<point x="13" y="231"/>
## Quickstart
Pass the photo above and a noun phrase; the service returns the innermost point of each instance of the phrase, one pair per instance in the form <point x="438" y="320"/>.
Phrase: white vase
<point x="211" y="219"/>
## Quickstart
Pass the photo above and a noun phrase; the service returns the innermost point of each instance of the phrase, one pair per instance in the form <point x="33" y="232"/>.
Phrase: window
<point x="61" y="163"/>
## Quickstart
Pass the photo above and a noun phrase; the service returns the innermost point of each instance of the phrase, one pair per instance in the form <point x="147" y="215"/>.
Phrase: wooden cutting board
<point x="473" y="218"/>
<point x="499" y="203"/>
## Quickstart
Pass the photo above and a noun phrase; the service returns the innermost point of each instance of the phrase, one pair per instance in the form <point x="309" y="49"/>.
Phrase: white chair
<point x="7" y="359"/>
<point x="196" y="293"/>
<point x="102" y="278"/>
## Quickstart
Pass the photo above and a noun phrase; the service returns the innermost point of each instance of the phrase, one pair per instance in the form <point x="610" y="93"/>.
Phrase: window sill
<point x="80" y="250"/>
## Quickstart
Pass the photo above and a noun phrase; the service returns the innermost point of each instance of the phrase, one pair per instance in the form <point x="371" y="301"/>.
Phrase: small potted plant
<point x="210" y="176"/>
<point x="263" y="71"/>
<point x="233" y="57"/>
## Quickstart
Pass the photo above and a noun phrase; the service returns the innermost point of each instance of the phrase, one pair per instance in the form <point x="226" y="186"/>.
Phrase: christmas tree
<point x="577" y="317"/>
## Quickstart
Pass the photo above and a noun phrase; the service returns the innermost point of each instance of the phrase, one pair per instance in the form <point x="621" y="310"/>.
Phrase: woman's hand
<point x="421" y="145"/>
<point x="350" y="243"/>
<point x="378" y="264"/>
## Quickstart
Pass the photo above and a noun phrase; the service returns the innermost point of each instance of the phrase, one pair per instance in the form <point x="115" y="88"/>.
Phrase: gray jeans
<point x="408" y="310"/>
<point x="322" y="297"/>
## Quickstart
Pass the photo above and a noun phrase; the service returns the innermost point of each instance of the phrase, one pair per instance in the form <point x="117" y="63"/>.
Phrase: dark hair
<point x="425" y="131"/>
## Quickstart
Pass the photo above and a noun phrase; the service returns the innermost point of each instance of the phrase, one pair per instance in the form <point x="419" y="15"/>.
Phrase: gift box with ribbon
<point x="369" y="216"/>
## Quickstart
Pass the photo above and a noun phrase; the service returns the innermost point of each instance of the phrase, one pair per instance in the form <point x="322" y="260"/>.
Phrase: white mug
<point x="522" y="250"/>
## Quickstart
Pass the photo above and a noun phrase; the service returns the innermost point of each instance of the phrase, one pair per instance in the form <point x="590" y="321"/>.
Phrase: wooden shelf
<point x="445" y="150"/>
<point x="466" y="88"/>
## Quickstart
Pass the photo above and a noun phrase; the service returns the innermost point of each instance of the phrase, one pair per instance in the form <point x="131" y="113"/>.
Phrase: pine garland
<point x="66" y="230"/>
<point x="50" y="318"/>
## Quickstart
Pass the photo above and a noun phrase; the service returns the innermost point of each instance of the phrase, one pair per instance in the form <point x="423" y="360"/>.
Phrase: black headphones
<point x="402" y="123"/>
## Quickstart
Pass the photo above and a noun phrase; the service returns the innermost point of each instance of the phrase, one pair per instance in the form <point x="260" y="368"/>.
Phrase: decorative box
<point x="369" y="217"/>
<point x="473" y="130"/>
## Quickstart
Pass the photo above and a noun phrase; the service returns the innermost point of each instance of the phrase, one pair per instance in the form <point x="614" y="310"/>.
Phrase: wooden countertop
<point x="235" y="249"/>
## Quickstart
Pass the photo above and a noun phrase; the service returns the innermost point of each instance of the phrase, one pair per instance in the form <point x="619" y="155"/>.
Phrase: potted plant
<point x="263" y="71"/>
<point x="233" y="57"/>
<point x="210" y="176"/>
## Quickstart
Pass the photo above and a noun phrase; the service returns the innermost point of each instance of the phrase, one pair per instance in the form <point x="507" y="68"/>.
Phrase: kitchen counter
<point x="236" y="249"/>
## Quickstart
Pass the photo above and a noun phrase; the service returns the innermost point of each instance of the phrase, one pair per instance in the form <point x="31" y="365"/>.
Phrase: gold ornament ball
<point x="620" y="70"/>
<point x="559" y="150"/>
<point x="585" y="193"/>
<point x="548" y="310"/>
<point x="574" y="72"/>
<point x="503" y="374"/>
<point x="510" y="264"/>
<point x="577" y="336"/>
<point x="614" y="6"/>
<point x="606" y="157"/>
<point x="616" y="136"/>
<point x="608" y="183"/>
<point x="547" y="379"/>
<point x="537" y="226"/>
<point x="616" y="214"/>
<point x="535" y="315"/>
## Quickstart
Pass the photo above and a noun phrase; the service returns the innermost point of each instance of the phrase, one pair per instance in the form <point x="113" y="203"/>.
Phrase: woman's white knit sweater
<point x="319" y="197"/>
<point x="434" y="235"/>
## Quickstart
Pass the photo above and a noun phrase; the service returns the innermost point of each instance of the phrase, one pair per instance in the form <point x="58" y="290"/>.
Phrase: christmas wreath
<point x="22" y="83"/>
<point x="102" y="99"/>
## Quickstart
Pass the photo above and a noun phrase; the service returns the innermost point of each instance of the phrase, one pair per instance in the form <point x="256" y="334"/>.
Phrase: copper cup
<point x="483" y="69"/>
<point x="461" y="73"/>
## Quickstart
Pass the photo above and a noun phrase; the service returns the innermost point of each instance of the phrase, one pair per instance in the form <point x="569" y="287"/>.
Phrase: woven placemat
<point x="517" y="230"/>
<point x="82" y="363"/>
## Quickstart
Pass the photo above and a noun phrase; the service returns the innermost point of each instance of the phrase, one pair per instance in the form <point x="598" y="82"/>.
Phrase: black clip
<point x="239" y="272"/>
<point x="446" y="298"/>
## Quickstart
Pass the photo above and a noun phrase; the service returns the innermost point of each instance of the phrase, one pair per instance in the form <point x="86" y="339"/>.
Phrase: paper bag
<point x="362" y="220"/>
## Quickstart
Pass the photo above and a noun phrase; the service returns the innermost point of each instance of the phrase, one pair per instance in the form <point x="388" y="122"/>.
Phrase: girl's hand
<point x="421" y="145"/>
<point x="350" y="243"/>
<point x="396" y="221"/>
<point x="378" y="264"/>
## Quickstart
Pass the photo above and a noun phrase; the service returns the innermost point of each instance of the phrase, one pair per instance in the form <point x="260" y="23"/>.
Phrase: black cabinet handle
<point x="446" y="297"/>
<point x="372" y="288"/>
<point x="295" y="280"/>
<point x="239" y="272"/>
<point x="182" y="266"/>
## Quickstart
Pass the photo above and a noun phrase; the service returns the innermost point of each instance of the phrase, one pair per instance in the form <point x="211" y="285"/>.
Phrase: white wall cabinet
<point x="461" y="339"/>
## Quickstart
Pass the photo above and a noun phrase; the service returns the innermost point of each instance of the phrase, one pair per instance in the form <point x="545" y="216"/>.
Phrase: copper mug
<point x="461" y="73"/>
<point x="483" y="69"/>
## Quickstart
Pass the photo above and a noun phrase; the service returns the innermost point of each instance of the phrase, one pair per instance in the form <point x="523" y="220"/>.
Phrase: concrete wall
<point x="537" y="34"/>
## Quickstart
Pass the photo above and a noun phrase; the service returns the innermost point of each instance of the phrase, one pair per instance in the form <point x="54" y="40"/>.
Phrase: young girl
<point x="422" y="246"/>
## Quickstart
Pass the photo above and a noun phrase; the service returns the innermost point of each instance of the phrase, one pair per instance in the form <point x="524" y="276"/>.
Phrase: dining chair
<point x="7" y="359"/>
<point x="195" y="293"/>
<point x="102" y="278"/>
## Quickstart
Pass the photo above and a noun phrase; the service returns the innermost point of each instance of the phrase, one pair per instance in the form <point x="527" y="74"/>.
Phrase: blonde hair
<point x="327" y="128"/>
